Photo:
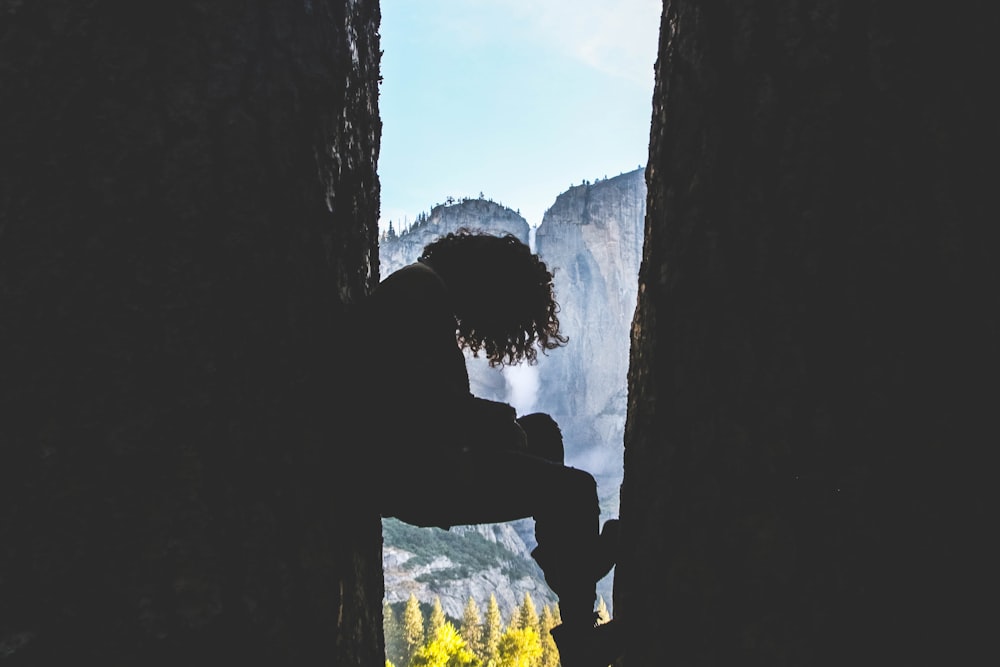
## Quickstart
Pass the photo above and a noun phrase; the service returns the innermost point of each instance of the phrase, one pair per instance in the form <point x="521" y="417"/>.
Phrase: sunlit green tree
<point x="472" y="627"/>
<point x="446" y="648"/>
<point x="519" y="647"/>
<point x="393" y="632"/>
<point x="527" y="615"/>
<point x="492" y="631"/>
<point x="550" y="653"/>
<point x="413" y="629"/>
<point x="436" y="618"/>
<point x="515" y="618"/>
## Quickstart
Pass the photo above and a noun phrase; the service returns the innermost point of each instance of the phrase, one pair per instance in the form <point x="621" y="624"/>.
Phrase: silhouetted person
<point x="446" y="457"/>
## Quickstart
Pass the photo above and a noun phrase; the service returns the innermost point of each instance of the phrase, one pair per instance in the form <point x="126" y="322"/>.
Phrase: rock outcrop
<point x="398" y="250"/>
<point x="476" y="561"/>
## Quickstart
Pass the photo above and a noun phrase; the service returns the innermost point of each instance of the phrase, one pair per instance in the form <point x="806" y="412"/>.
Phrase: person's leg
<point x="544" y="439"/>
<point x="492" y="487"/>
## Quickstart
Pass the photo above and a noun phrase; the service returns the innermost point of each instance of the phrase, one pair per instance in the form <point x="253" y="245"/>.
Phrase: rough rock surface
<point x="188" y="198"/>
<point x="808" y="475"/>
<point x="447" y="577"/>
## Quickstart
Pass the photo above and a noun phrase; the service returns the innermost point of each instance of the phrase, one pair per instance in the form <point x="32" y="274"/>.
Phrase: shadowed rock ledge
<point x="188" y="199"/>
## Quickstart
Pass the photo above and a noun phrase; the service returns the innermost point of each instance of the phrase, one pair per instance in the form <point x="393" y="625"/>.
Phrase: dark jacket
<point x="418" y="378"/>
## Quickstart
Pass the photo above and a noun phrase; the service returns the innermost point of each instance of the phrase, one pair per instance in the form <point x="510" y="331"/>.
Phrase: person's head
<point x="502" y="293"/>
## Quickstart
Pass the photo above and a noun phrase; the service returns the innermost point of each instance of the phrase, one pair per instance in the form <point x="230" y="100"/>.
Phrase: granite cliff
<point x="591" y="238"/>
<point x="396" y="250"/>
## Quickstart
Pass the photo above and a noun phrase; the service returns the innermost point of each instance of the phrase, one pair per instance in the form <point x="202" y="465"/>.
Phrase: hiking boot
<point x="588" y="645"/>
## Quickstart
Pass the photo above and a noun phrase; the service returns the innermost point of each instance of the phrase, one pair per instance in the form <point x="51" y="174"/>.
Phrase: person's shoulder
<point x="414" y="279"/>
<point x="414" y="271"/>
<point x="414" y="292"/>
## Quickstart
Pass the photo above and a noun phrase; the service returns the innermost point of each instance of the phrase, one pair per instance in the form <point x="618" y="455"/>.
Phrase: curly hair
<point x="503" y="296"/>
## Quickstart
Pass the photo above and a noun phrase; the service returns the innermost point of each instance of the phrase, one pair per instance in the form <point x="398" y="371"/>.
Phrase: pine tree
<point x="550" y="652"/>
<point x="393" y="631"/>
<point x="445" y="649"/>
<point x="472" y="627"/>
<point x="413" y="629"/>
<point x="528" y="616"/>
<point x="603" y="615"/>
<point x="492" y="631"/>
<point x="515" y="618"/>
<point x="436" y="619"/>
<point x="519" y="647"/>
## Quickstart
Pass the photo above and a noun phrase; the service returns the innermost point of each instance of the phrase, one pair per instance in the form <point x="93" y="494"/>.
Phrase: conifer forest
<point x="420" y="635"/>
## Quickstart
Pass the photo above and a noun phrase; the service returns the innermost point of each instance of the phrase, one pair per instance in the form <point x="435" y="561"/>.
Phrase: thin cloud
<point x="617" y="38"/>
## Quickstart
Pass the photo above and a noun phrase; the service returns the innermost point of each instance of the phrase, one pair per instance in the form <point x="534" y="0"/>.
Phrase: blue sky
<point x="517" y="99"/>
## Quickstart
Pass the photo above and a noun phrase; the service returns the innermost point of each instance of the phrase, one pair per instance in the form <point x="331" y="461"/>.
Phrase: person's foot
<point x="588" y="645"/>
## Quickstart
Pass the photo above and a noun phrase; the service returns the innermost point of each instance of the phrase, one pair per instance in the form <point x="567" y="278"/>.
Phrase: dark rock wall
<point x="816" y="336"/>
<point x="188" y="200"/>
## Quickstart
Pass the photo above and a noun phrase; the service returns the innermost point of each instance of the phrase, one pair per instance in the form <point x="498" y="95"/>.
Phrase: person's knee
<point x="577" y="486"/>
<point x="568" y="515"/>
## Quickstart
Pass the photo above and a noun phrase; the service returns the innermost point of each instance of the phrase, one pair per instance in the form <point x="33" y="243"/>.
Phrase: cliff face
<point x="592" y="239"/>
<point x="483" y="215"/>
<point x="476" y="561"/>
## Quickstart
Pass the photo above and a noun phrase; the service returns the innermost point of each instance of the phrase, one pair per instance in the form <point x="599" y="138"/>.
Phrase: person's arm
<point x="492" y="426"/>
